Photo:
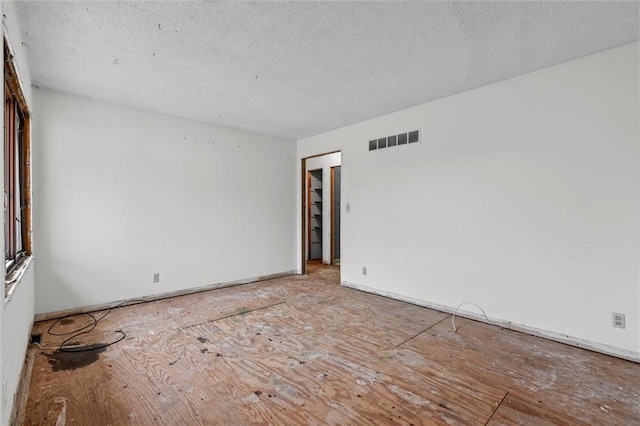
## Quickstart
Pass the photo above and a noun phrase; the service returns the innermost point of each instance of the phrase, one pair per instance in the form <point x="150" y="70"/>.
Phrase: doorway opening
<point x="321" y="177"/>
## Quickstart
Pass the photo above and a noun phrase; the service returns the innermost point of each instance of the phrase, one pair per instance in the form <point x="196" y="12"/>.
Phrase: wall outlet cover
<point x="156" y="277"/>
<point x="617" y="320"/>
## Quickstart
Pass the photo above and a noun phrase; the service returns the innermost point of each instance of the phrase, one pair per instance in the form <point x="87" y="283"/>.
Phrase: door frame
<point x="303" y="208"/>
<point x="333" y="213"/>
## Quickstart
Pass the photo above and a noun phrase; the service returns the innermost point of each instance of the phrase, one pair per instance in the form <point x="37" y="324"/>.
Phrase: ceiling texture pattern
<point x="296" y="69"/>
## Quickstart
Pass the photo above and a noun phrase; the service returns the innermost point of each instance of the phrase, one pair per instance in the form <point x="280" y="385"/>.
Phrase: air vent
<point x="395" y="140"/>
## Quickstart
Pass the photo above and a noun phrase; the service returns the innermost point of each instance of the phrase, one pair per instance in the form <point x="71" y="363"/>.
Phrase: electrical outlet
<point x="348" y="206"/>
<point x="617" y="320"/>
<point x="364" y="270"/>
<point x="156" y="277"/>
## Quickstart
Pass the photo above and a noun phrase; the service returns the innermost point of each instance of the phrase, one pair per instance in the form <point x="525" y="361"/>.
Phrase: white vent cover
<point x="395" y="140"/>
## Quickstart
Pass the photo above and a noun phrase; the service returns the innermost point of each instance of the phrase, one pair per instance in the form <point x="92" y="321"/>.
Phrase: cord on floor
<point x="453" y="317"/>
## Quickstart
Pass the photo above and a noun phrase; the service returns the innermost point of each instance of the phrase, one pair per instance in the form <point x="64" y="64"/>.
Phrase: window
<point x="17" y="196"/>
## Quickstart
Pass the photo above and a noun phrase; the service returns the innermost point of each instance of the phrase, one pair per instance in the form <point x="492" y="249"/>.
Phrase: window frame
<point x="17" y="173"/>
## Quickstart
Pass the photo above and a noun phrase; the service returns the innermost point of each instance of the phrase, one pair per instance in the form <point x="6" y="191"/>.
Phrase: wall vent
<point x="395" y="140"/>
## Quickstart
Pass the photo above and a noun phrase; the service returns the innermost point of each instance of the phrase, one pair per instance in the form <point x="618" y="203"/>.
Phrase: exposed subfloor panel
<point x="304" y="350"/>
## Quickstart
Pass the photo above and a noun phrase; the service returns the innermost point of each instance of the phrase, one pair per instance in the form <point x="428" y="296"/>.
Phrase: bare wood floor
<point x="303" y="350"/>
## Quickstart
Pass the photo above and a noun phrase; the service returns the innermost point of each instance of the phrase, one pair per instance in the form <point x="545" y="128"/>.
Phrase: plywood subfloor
<point x="303" y="350"/>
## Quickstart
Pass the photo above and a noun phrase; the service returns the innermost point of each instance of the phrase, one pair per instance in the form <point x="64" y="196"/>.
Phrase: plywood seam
<point x="428" y="328"/>
<point x="496" y="409"/>
<point x="235" y="314"/>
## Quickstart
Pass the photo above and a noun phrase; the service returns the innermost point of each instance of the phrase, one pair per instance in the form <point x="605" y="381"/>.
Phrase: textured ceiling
<point x="299" y="69"/>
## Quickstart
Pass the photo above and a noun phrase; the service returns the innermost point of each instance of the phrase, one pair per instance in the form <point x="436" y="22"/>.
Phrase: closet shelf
<point x="315" y="214"/>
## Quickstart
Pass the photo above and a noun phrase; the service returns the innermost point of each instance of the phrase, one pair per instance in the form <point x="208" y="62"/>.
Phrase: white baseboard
<point x="58" y="314"/>
<point x="551" y="335"/>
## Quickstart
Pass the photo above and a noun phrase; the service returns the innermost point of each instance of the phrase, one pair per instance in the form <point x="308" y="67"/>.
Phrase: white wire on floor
<point x="453" y="318"/>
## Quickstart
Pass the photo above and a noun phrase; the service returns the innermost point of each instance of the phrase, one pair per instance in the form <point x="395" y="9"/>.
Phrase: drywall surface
<point x="123" y="193"/>
<point x="522" y="197"/>
<point x="16" y="318"/>
<point x="325" y="162"/>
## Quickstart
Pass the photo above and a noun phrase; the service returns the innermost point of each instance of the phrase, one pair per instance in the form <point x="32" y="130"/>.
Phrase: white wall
<point x="121" y="193"/>
<point x="522" y="197"/>
<point x="325" y="162"/>
<point x="16" y="319"/>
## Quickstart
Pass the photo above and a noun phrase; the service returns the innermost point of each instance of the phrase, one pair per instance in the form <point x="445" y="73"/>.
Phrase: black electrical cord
<point x="88" y="328"/>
